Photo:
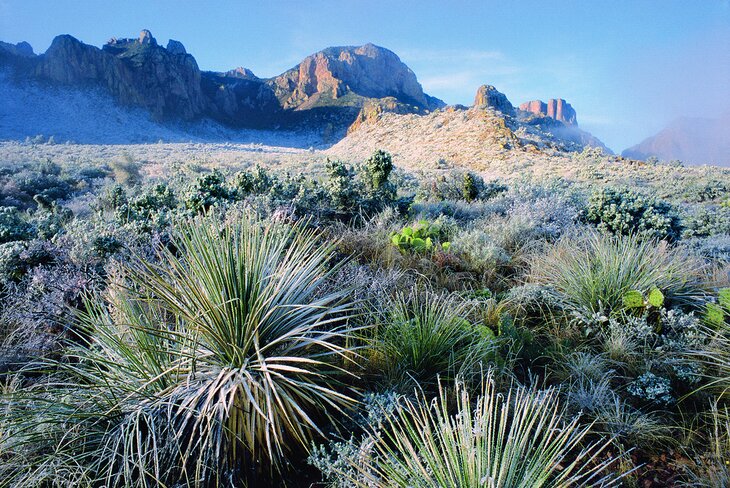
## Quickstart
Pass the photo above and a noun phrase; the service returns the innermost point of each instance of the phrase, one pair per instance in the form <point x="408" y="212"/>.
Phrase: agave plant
<point x="205" y="367"/>
<point x="494" y="440"/>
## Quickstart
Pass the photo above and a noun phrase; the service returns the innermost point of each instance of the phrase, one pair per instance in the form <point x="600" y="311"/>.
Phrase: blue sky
<point x="628" y="67"/>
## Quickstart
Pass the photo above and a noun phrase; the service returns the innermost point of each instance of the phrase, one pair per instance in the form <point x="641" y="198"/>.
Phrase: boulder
<point x="175" y="47"/>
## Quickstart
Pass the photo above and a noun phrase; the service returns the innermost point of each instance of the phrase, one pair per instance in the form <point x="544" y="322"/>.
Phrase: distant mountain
<point x="692" y="140"/>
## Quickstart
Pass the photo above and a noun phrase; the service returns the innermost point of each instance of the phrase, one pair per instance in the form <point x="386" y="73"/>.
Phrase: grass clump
<point x="593" y="273"/>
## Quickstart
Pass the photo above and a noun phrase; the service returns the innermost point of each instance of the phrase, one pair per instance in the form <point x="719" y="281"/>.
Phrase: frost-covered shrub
<point x="715" y="248"/>
<point x="624" y="211"/>
<point x="208" y="191"/>
<point x="12" y="226"/>
<point x="652" y="388"/>
<point x="702" y="221"/>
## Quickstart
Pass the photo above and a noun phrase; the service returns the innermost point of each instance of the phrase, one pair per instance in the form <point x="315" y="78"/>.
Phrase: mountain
<point x="327" y="89"/>
<point x="349" y="92"/>
<point x="689" y="139"/>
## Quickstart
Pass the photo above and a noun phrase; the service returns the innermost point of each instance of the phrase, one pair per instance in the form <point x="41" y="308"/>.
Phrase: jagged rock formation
<point x="137" y="72"/>
<point x="489" y="97"/>
<point x="557" y="109"/>
<point x="692" y="140"/>
<point x="21" y="49"/>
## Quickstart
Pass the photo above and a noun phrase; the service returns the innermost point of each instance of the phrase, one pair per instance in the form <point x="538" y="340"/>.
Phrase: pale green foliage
<point x="207" y="366"/>
<point x="595" y="272"/>
<point x="492" y="440"/>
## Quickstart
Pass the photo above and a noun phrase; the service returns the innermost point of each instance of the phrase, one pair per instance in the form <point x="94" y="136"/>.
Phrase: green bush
<point x="13" y="227"/>
<point x="593" y="273"/>
<point x="624" y="212"/>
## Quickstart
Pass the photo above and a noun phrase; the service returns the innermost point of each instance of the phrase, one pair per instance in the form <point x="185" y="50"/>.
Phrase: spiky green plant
<point x="494" y="440"/>
<point x="205" y="368"/>
<point x="594" y="272"/>
<point x="425" y="336"/>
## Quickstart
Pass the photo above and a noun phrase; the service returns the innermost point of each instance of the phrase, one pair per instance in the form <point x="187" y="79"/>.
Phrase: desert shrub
<point x="703" y="221"/>
<point x="342" y="187"/>
<point x="210" y="190"/>
<point x="48" y="222"/>
<point x="204" y="368"/>
<point x="13" y="227"/>
<point x="508" y="440"/>
<point x="593" y="272"/>
<point x="16" y="258"/>
<point x="459" y="185"/>
<point x="420" y="338"/>
<point x="126" y="172"/>
<point x="623" y="211"/>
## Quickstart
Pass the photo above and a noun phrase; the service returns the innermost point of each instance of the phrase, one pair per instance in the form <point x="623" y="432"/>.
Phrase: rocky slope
<point x="691" y="140"/>
<point x="489" y="133"/>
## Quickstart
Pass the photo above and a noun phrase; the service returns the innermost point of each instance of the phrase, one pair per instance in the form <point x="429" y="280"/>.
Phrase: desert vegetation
<point x="362" y="325"/>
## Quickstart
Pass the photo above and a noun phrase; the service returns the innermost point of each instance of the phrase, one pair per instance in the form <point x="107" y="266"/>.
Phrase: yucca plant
<point x="423" y="336"/>
<point x="515" y="440"/>
<point x="595" y="272"/>
<point x="205" y="367"/>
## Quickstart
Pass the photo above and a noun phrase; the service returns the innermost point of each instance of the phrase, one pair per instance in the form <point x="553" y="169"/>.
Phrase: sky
<point x="628" y="67"/>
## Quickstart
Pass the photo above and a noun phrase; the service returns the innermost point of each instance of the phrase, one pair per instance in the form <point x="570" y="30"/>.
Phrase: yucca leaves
<point x="204" y="367"/>
<point x="500" y="441"/>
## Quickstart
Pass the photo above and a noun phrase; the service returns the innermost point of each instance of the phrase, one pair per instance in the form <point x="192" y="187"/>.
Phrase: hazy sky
<point x="628" y="67"/>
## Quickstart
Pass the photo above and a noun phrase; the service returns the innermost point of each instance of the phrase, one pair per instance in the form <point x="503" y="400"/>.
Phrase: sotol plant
<point x="206" y="368"/>
<point x="515" y="440"/>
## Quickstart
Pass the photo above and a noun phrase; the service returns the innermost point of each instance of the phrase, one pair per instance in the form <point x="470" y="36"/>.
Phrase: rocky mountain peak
<point x="21" y="49"/>
<point x="489" y="97"/>
<point x="145" y="37"/>
<point x="175" y="47"/>
<point x="242" y="73"/>
<point x="349" y="74"/>
<point x="557" y="109"/>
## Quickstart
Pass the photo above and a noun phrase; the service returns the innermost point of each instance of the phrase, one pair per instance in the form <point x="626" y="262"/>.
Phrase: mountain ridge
<point x="333" y="92"/>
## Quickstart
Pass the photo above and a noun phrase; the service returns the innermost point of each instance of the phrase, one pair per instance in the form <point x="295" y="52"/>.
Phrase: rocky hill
<point x="691" y="139"/>
<point x="482" y="137"/>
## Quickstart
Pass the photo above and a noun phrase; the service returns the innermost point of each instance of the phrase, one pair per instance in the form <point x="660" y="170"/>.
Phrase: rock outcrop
<point x="242" y="73"/>
<point x="349" y="76"/>
<point x="137" y="72"/>
<point x="21" y="49"/>
<point x="557" y="109"/>
<point x="489" y="97"/>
